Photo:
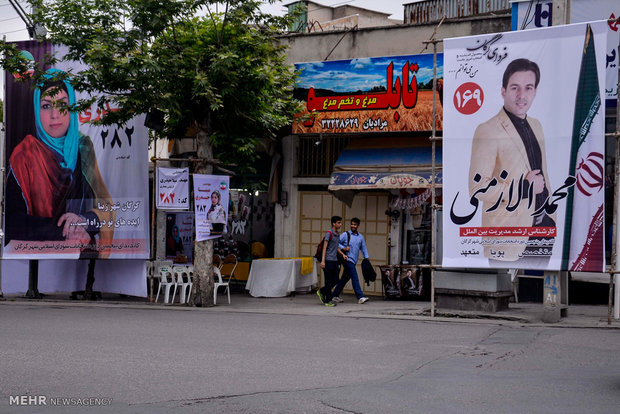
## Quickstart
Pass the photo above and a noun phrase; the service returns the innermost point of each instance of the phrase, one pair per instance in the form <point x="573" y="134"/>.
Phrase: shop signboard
<point x="376" y="94"/>
<point x="380" y="180"/>
<point x="529" y="15"/>
<point x="525" y="190"/>
<point x="172" y="188"/>
<point x="74" y="189"/>
<point x="211" y="195"/>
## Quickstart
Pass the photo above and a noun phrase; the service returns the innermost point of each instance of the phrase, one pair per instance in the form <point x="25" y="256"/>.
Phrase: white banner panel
<point x="523" y="149"/>
<point x="172" y="188"/>
<point x="211" y="195"/>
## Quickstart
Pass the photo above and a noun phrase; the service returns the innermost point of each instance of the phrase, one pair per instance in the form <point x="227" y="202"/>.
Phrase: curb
<point x="307" y="309"/>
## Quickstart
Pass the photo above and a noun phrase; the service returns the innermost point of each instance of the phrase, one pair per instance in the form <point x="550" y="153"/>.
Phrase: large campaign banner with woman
<point x="524" y="149"/>
<point x="73" y="189"/>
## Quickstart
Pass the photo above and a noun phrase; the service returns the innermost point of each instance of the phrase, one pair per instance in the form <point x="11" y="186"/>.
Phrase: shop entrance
<point x="316" y="210"/>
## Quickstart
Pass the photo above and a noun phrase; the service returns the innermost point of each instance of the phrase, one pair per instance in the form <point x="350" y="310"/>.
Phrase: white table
<point x="275" y="278"/>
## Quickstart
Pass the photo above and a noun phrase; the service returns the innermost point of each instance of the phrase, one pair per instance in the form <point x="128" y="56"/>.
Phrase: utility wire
<point x="21" y="13"/>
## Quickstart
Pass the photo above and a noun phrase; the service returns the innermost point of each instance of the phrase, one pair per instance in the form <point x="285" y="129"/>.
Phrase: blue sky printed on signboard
<point x="363" y="73"/>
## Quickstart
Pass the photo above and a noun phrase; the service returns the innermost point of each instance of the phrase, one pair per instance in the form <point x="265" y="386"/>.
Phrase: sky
<point x="13" y="28"/>
<point x="395" y="7"/>
<point x="11" y="25"/>
<point x="362" y="73"/>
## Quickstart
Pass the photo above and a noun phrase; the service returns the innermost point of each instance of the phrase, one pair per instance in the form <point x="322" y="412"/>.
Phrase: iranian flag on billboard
<point x="523" y="119"/>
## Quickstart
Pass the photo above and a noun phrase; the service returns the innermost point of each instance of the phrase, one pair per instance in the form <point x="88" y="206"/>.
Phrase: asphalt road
<point x="196" y="361"/>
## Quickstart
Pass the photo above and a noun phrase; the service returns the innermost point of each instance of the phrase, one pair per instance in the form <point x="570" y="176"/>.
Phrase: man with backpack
<point x="352" y="243"/>
<point x="329" y="261"/>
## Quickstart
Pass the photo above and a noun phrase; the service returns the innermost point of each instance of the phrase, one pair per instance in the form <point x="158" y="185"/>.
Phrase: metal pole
<point x="434" y="206"/>
<point x="153" y="220"/>
<point x="251" y="219"/>
<point x="2" y="142"/>
<point x="153" y="209"/>
<point x="614" y="226"/>
<point x="33" y="280"/>
<point x="616" y="234"/>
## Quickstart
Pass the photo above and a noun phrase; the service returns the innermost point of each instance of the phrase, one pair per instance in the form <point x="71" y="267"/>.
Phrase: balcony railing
<point x="434" y="10"/>
<point x="316" y="155"/>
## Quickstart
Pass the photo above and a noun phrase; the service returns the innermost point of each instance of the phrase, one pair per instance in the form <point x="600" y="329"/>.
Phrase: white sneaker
<point x="363" y="299"/>
<point x="337" y="299"/>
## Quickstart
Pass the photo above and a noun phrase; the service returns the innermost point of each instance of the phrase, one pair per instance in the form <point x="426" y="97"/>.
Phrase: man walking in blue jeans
<point x="329" y="262"/>
<point x="352" y="243"/>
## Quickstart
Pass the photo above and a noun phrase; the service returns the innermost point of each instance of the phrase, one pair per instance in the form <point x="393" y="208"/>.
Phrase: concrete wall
<point x="366" y="18"/>
<point x="286" y="223"/>
<point x="369" y="42"/>
<point x="347" y="22"/>
<point x="345" y="10"/>
<point x="383" y="41"/>
<point x="327" y="16"/>
<point x="318" y="13"/>
<point x="372" y="21"/>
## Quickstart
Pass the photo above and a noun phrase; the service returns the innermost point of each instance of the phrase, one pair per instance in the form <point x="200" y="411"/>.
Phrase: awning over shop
<point x="396" y="163"/>
<point x="381" y="180"/>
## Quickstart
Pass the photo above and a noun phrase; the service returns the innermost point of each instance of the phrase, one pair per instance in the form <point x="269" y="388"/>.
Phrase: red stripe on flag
<point x="591" y="257"/>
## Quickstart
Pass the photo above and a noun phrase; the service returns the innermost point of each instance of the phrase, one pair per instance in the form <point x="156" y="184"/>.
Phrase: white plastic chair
<point x="229" y="264"/>
<point x="219" y="282"/>
<point x="167" y="280"/>
<point x="182" y="281"/>
<point x="217" y="261"/>
<point x="190" y="274"/>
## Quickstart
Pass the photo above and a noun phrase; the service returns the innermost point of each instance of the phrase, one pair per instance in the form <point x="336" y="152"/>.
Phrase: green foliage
<point x="215" y="66"/>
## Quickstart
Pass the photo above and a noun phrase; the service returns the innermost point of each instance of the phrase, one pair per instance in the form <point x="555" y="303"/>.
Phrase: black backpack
<point x="341" y="260"/>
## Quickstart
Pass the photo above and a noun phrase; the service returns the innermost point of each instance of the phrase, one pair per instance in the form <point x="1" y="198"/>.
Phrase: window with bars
<point x="316" y="155"/>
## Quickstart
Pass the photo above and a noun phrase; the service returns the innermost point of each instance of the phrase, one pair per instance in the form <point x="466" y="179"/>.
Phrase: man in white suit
<point x="508" y="169"/>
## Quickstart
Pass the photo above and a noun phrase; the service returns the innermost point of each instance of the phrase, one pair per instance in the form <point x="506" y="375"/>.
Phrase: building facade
<point x="311" y="159"/>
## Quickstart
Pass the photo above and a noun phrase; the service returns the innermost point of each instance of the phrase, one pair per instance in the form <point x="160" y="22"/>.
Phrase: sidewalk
<point x="525" y="314"/>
